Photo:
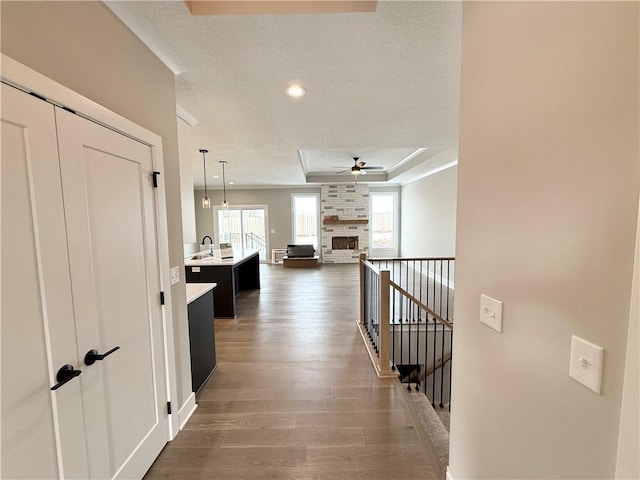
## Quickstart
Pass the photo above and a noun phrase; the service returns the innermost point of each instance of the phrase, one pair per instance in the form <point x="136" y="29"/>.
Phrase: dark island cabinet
<point x="202" y="339"/>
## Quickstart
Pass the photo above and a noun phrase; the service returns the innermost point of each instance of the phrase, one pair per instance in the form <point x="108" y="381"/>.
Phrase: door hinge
<point x="161" y="298"/>
<point x="155" y="178"/>
<point x="169" y="408"/>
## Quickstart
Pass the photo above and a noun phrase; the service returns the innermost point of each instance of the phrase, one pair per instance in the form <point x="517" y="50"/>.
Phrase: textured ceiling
<point x="383" y="83"/>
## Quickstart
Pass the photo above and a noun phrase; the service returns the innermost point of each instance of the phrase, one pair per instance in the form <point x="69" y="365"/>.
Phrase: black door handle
<point x="66" y="373"/>
<point x="93" y="356"/>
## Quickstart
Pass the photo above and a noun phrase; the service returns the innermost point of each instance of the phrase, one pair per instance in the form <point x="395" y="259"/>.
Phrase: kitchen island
<point x="202" y="336"/>
<point x="232" y="275"/>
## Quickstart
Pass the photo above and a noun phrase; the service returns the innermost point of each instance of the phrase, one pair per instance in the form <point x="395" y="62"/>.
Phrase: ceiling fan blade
<point x="343" y="171"/>
<point x="371" y="168"/>
<point x="339" y="166"/>
<point x="361" y="164"/>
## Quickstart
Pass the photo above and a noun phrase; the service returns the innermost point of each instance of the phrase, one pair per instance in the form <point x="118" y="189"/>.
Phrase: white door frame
<point x="31" y="81"/>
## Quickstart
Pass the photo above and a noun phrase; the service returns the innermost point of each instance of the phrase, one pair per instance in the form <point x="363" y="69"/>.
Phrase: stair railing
<point x="257" y="242"/>
<point x="406" y="311"/>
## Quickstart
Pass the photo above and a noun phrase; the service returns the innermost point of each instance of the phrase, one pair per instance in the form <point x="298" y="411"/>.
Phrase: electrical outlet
<point x="174" y="275"/>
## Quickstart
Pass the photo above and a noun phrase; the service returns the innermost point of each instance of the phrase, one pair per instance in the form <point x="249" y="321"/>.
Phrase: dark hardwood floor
<point x="295" y="396"/>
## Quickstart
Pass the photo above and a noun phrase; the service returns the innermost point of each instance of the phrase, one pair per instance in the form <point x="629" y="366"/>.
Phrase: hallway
<point x="295" y="396"/>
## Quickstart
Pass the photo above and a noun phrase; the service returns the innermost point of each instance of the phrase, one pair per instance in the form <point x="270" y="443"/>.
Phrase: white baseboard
<point x="449" y="476"/>
<point x="185" y="412"/>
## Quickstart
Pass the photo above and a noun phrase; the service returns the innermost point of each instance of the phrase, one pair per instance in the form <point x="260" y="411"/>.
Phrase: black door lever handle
<point x="93" y="356"/>
<point x="66" y="373"/>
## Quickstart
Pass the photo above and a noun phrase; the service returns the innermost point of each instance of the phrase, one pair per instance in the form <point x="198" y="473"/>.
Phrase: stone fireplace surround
<point x="350" y="203"/>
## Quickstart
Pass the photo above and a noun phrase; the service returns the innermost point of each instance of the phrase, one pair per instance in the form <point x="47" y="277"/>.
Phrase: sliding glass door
<point x="244" y="228"/>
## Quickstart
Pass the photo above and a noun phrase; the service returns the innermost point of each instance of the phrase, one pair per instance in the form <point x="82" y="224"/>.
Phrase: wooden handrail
<point x="419" y="303"/>
<point x="365" y="261"/>
<point x="404" y="259"/>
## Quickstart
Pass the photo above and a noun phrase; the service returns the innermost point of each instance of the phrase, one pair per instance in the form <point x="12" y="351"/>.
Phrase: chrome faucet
<point x="205" y="237"/>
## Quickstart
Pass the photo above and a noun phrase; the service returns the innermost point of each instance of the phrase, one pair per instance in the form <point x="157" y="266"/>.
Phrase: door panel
<point x="38" y="332"/>
<point x="110" y="216"/>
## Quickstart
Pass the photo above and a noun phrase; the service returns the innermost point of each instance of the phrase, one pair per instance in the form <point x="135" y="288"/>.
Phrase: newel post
<point x="384" y="337"/>
<point x="363" y="257"/>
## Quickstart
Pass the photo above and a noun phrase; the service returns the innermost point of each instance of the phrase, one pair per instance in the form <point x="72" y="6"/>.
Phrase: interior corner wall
<point x="187" y="151"/>
<point x="428" y="216"/>
<point x="84" y="47"/>
<point x="628" y="461"/>
<point x="546" y="223"/>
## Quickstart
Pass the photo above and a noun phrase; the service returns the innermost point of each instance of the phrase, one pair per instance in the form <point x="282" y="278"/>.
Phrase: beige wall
<point x="278" y="201"/>
<point x="428" y="220"/>
<point x="546" y="222"/>
<point x="82" y="46"/>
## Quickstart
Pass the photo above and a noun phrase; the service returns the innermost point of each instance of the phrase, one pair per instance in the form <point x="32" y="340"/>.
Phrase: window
<point x="383" y="220"/>
<point x="304" y="209"/>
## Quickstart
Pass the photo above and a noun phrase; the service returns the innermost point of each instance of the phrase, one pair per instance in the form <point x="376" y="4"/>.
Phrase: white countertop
<point x="196" y="290"/>
<point x="216" y="259"/>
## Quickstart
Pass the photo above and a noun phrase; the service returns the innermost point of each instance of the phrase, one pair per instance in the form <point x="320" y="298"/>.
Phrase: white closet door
<point x="110" y="219"/>
<point x="42" y="431"/>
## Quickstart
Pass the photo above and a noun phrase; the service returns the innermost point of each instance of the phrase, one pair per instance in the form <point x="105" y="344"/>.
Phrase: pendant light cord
<point x="224" y="184"/>
<point x="204" y="166"/>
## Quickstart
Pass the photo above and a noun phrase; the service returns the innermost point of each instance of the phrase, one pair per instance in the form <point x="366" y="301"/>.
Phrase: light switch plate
<point x="585" y="366"/>
<point x="174" y="275"/>
<point x="491" y="312"/>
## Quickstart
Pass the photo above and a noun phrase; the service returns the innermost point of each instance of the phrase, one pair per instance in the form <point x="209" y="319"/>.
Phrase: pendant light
<point x="206" y="203"/>
<point x="225" y="204"/>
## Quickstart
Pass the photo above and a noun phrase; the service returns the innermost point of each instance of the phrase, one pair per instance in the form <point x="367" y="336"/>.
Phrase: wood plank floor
<point x="295" y="396"/>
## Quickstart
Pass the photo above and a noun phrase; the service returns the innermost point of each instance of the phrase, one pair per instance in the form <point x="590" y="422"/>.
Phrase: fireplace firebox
<point x="344" y="243"/>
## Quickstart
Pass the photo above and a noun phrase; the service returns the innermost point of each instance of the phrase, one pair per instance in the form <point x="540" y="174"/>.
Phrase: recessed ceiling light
<point x="215" y="176"/>
<point x="295" y="91"/>
<point x="230" y="183"/>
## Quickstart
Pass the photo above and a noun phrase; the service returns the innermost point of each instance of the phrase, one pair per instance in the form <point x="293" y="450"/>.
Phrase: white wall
<point x="84" y="47"/>
<point x="428" y="216"/>
<point x="546" y="222"/>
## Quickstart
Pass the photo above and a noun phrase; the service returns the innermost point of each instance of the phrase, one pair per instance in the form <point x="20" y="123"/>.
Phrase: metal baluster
<point x="393" y="332"/>
<point x="402" y="349"/>
<point x="450" y="366"/>
<point x="426" y="352"/>
<point x="435" y="332"/>
<point x="440" y="306"/>
<point x="377" y="314"/>
<point x="448" y="287"/>
<point x="408" y="309"/>
<point x="442" y="368"/>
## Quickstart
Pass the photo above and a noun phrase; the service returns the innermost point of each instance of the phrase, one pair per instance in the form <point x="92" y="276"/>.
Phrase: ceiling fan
<point x="358" y="167"/>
